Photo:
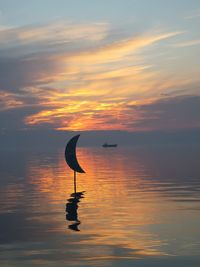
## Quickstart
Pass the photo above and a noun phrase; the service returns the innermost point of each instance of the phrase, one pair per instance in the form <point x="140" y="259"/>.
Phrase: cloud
<point x="120" y="49"/>
<point x="36" y="38"/>
<point x="9" y="101"/>
<point x="16" y="73"/>
<point x="194" y="15"/>
<point x="188" y="44"/>
<point x="81" y="77"/>
<point x="173" y="113"/>
<point x="29" y="55"/>
<point x="166" y="113"/>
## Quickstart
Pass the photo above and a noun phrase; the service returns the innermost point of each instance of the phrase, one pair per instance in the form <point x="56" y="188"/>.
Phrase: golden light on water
<point x="106" y="207"/>
<point x="132" y="208"/>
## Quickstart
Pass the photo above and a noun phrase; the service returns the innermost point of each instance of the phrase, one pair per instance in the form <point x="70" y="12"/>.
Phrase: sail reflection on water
<point x="136" y="202"/>
<point x="72" y="210"/>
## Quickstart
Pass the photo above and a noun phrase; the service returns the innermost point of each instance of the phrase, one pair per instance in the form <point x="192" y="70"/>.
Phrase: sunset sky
<point x="83" y="65"/>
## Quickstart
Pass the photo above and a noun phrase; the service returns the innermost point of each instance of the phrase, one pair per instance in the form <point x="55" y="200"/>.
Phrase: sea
<point x="135" y="206"/>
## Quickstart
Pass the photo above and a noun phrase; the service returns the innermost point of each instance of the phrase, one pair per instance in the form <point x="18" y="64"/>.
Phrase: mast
<point x="75" y="182"/>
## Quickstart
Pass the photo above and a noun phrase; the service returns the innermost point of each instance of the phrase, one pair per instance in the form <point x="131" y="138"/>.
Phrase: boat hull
<point x="114" y="145"/>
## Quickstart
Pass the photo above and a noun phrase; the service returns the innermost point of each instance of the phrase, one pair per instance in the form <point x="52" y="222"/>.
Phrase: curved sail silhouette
<point x="70" y="155"/>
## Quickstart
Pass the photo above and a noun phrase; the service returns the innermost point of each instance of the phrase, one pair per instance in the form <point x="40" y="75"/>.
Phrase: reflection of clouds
<point x="99" y="211"/>
<point x="131" y="210"/>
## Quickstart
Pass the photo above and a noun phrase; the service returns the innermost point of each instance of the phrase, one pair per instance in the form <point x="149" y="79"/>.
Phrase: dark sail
<point x="70" y="155"/>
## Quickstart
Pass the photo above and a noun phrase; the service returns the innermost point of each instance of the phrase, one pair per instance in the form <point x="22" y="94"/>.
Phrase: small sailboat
<point x="71" y="159"/>
<point x="109" y="145"/>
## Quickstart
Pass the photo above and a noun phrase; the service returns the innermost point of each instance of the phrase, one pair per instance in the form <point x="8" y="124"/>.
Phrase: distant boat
<point x="109" y="145"/>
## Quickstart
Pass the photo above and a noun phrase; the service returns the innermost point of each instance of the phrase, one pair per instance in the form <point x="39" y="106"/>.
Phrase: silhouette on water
<point x="71" y="159"/>
<point x="72" y="204"/>
<point x="109" y="145"/>
<point x="72" y="210"/>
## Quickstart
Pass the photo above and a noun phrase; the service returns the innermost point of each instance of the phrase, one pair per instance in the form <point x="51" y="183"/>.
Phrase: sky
<point x="89" y="65"/>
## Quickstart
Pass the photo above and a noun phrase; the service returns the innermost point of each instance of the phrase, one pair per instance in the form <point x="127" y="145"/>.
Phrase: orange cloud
<point x="119" y="50"/>
<point x="88" y="87"/>
<point x="9" y="101"/>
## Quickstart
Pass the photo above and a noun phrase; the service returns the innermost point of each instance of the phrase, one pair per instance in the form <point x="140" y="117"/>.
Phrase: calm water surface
<point x="139" y="207"/>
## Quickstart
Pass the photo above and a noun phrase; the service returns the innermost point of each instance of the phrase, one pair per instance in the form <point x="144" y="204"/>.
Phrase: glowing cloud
<point x="87" y="79"/>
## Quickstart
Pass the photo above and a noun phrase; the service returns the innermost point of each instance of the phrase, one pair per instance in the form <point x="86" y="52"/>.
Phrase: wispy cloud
<point x="194" y="15"/>
<point x="9" y="101"/>
<point x="188" y="43"/>
<point x="122" y="48"/>
<point x="51" y="34"/>
<point x="81" y="77"/>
